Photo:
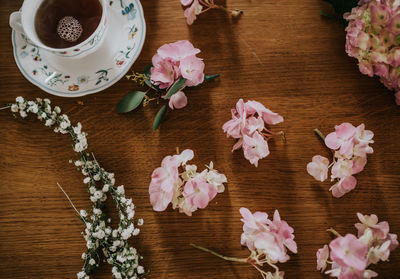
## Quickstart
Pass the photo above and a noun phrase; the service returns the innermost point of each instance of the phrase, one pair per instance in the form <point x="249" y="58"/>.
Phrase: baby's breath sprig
<point x="99" y="235"/>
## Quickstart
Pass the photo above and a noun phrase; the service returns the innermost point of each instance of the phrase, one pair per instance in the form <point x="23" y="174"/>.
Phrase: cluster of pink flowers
<point x="267" y="240"/>
<point x="196" y="7"/>
<point x="248" y="126"/>
<point x="173" y="62"/>
<point x="350" y="255"/>
<point x="350" y="146"/>
<point x="187" y="190"/>
<point x="373" y="38"/>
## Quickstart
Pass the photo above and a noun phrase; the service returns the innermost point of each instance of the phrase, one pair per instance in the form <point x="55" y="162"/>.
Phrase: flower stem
<point x="333" y="231"/>
<point x="5" y="107"/>
<point x="232" y="259"/>
<point x="73" y="206"/>
<point x="320" y="134"/>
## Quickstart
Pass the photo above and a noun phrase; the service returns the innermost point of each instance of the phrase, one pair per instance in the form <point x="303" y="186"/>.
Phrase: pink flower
<point x="342" y="138"/>
<point x="318" y="168"/>
<point x="233" y="128"/>
<point x="267" y="115"/>
<point x="186" y="2"/>
<point x="283" y="232"/>
<point x="192" y="69"/>
<point x="178" y="100"/>
<point x="363" y="136"/>
<point x="381" y="70"/>
<point x="255" y="148"/>
<point x="394" y="25"/>
<point x="358" y="164"/>
<point x="348" y="251"/>
<point x="178" y="50"/>
<point x="255" y="221"/>
<point x="366" y="68"/>
<point x="163" y="181"/>
<point x="394" y="57"/>
<point x="380" y="14"/>
<point x="164" y="73"/>
<point x="192" y="12"/>
<point x="379" y="230"/>
<point x="198" y="193"/>
<point x="342" y="168"/>
<point x="322" y="258"/>
<point x="345" y="185"/>
<point x="266" y="243"/>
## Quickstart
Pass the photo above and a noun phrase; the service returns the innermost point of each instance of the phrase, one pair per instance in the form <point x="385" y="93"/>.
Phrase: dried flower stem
<point x="232" y="259"/>
<point x="5" y="107"/>
<point x="320" y="134"/>
<point x="333" y="231"/>
<point x="72" y="204"/>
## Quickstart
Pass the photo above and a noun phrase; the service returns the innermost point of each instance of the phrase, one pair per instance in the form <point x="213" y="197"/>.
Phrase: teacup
<point x="23" y="21"/>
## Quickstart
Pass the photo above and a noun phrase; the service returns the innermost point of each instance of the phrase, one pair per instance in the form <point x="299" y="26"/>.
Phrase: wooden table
<point x="280" y="53"/>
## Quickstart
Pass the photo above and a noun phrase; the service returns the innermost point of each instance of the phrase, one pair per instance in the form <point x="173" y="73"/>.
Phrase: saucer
<point x="69" y="77"/>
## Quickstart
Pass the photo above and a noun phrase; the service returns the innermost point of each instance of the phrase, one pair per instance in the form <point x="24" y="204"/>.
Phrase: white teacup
<point x="24" y="21"/>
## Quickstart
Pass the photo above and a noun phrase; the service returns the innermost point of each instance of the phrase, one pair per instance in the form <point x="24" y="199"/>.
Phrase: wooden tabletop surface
<point x="280" y="53"/>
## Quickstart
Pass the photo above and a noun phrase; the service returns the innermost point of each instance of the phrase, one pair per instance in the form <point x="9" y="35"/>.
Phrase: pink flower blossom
<point x="379" y="230"/>
<point x="255" y="148"/>
<point x="178" y="100"/>
<point x="322" y="258"/>
<point x="192" y="12"/>
<point x="342" y="138"/>
<point x="248" y="127"/>
<point x="164" y="73"/>
<point x="178" y="50"/>
<point x="348" y="251"/>
<point x="187" y="190"/>
<point x="192" y="69"/>
<point x="318" y="168"/>
<point x="186" y="2"/>
<point x="343" y="186"/>
<point x="253" y="221"/>
<point x="198" y="193"/>
<point x="283" y="232"/>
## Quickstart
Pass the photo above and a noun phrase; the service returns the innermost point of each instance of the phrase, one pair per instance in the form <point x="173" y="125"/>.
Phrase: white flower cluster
<point x="99" y="235"/>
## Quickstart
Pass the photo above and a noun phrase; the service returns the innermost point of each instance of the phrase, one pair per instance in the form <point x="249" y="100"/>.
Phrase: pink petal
<point x="178" y="100"/>
<point x="332" y="141"/>
<point x="345" y="130"/>
<point x="201" y="200"/>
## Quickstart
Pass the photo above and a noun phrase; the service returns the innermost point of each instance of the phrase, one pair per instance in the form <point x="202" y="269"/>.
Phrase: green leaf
<point x="342" y="6"/>
<point x="147" y="72"/>
<point x="206" y="78"/>
<point x="159" y="117"/>
<point x="130" y="101"/>
<point x="175" y="87"/>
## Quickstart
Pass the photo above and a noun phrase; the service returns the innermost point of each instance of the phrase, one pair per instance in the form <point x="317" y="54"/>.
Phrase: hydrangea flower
<point x="351" y="255"/>
<point x="178" y="183"/>
<point x="350" y="146"/>
<point x="248" y="127"/>
<point x="372" y="38"/>
<point x="267" y="240"/>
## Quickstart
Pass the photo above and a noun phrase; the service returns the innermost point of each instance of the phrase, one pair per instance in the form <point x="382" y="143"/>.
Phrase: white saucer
<point x="68" y="77"/>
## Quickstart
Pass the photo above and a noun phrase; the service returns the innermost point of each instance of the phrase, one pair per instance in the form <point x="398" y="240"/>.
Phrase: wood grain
<point x="281" y="53"/>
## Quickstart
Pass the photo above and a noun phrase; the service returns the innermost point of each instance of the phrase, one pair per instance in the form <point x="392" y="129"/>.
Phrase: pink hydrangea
<point x="248" y="127"/>
<point x="267" y="238"/>
<point x="174" y="61"/>
<point x="350" y="256"/>
<point x="371" y="39"/>
<point x="350" y="146"/>
<point x="178" y="183"/>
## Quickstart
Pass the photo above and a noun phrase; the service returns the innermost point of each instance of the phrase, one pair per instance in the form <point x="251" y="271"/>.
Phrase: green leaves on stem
<point x="130" y="101"/>
<point x="159" y="117"/>
<point x="176" y="87"/>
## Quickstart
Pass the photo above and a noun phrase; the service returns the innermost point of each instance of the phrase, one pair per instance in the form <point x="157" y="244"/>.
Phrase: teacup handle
<point x="15" y="22"/>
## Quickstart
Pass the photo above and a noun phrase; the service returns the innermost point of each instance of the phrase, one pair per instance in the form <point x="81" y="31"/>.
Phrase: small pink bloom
<point x="255" y="148"/>
<point x="345" y="185"/>
<point x="186" y="2"/>
<point x="358" y="164"/>
<point x="178" y="50"/>
<point x="380" y="14"/>
<point x="267" y="115"/>
<point x="192" y="69"/>
<point x="178" y="100"/>
<point x="322" y="258"/>
<point x="365" y="68"/>
<point x="255" y="221"/>
<point x="342" y="168"/>
<point x="318" y="168"/>
<point x="253" y="124"/>
<point x="394" y="57"/>
<point x="198" y="192"/>
<point x="192" y="12"/>
<point x="379" y="230"/>
<point x="342" y="138"/>
<point x="283" y="232"/>
<point x="394" y="24"/>
<point x="266" y="242"/>
<point x="363" y="136"/>
<point x="348" y="251"/>
<point x="233" y="128"/>
<point x="381" y="70"/>
<point x="163" y="73"/>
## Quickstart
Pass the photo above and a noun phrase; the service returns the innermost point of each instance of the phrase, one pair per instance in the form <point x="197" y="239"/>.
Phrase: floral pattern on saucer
<point x="36" y="64"/>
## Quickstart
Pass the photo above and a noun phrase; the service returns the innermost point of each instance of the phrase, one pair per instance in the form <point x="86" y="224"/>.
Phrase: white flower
<point x="93" y="199"/>
<point x="136" y="231"/>
<point x="98" y="194"/>
<point x="81" y="275"/>
<point x="23" y="114"/>
<point x="83" y="213"/>
<point x="140" y="269"/>
<point x="92" y="262"/>
<point x="14" y="108"/>
<point x="19" y="99"/>
<point x="106" y="187"/>
<point x="49" y="122"/>
<point x="86" y="180"/>
<point x="64" y="125"/>
<point x="96" y="177"/>
<point x="97" y="211"/>
<point x="121" y="190"/>
<point x="140" y="222"/>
